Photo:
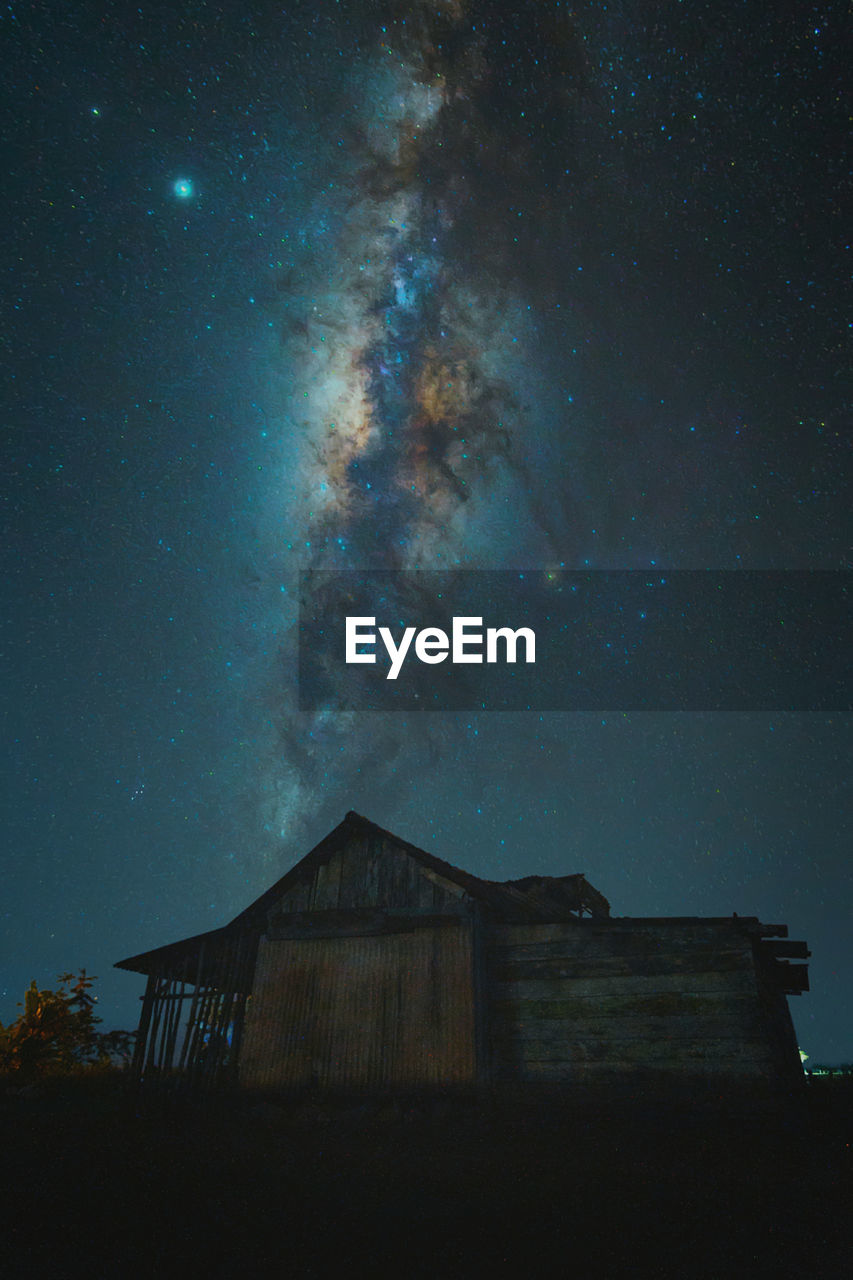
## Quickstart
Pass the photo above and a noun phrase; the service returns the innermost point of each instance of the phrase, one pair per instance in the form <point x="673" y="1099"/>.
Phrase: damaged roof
<point x="534" y="899"/>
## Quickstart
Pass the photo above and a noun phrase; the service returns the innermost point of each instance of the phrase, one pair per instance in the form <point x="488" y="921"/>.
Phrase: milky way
<point x="409" y="359"/>
<point x="410" y="341"/>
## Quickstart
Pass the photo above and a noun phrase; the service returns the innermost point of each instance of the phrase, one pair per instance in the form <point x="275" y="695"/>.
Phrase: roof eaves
<point x="141" y="963"/>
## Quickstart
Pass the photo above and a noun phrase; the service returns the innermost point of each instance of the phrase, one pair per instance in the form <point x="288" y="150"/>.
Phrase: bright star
<point x="183" y="188"/>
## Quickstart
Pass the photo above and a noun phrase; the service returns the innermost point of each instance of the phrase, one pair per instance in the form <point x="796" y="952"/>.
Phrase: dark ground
<point x="642" y="1186"/>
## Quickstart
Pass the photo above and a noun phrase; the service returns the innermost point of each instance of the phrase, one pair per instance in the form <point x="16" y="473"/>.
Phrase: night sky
<point x="424" y="285"/>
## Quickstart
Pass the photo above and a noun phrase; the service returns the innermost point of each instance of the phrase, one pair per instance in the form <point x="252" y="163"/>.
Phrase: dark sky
<point x="358" y="285"/>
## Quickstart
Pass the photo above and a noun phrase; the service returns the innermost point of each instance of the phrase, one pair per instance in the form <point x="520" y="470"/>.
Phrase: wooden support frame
<point x="193" y="1014"/>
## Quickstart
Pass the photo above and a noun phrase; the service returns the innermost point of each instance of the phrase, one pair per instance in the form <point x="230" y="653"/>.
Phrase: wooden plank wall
<point x="591" y="1001"/>
<point x="370" y="872"/>
<point x="393" y="1010"/>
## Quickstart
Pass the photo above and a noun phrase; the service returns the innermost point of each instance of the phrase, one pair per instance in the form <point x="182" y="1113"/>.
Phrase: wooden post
<point x="142" y="1034"/>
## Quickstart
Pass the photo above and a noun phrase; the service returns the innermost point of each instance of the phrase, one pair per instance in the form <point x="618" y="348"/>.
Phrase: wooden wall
<point x="388" y="1010"/>
<point x="590" y="1001"/>
<point x="364" y="978"/>
<point x="371" y="872"/>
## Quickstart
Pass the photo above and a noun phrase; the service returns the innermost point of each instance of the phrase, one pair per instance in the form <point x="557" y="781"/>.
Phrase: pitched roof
<point x="533" y="898"/>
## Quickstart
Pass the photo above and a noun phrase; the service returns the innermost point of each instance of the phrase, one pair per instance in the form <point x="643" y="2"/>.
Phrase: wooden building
<point x="372" y="965"/>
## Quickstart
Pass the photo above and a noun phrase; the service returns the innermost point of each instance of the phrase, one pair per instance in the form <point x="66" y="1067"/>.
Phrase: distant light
<point x="183" y="188"/>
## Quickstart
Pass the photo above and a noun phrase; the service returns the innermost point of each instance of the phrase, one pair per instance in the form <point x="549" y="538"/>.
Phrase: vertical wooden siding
<point x="583" y="1002"/>
<point x="369" y="872"/>
<point x="362" y="1012"/>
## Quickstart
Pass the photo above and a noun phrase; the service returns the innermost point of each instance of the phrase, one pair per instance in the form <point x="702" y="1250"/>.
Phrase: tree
<point x="56" y="1033"/>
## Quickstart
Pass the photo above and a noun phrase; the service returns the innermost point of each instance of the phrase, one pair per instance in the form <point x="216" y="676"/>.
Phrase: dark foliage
<point x="57" y="1032"/>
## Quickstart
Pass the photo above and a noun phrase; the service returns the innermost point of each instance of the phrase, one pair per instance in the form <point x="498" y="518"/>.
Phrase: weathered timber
<point x="694" y="1027"/>
<point x="355" y="924"/>
<point x="793" y="979"/>
<point x="635" y="984"/>
<point x="363" y="1012"/>
<point x="511" y="968"/>
<point x="670" y="1004"/>
<point x="734" y="1058"/>
<point x="783" y="948"/>
<point x="742" y="1048"/>
<point x="618" y="934"/>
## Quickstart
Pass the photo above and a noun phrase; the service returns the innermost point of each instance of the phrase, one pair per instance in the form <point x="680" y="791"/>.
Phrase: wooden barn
<point x="372" y="965"/>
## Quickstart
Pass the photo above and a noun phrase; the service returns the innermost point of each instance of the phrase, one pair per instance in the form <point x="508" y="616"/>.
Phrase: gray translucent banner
<point x="567" y="641"/>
